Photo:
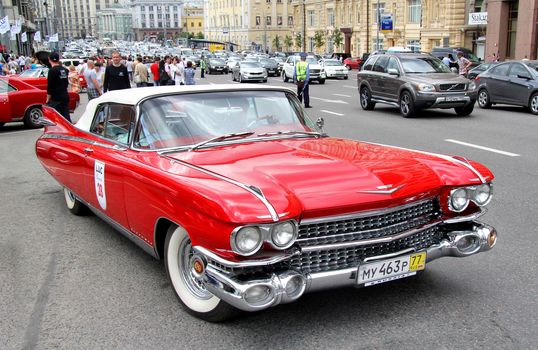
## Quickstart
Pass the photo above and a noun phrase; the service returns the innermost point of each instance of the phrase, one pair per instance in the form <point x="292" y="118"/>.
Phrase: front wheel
<point x="321" y="81"/>
<point x="285" y="77"/>
<point x="464" y="111"/>
<point x="533" y="104"/>
<point x="191" y="293"/>
<point x="33" y="114"/>
<point x="407" y="105"/>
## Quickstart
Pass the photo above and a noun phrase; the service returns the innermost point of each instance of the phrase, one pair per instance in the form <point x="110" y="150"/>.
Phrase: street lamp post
<point x="304" y="25"/>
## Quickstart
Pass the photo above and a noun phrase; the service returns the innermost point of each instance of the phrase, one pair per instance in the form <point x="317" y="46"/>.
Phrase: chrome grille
<point x="452" y="87"/>
<point x="327" y="260"/>
<point x="368" y="227"/>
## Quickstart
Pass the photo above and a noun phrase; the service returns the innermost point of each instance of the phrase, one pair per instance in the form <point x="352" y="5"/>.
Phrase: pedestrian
<point x="301" y="76"/>
<point x="463" y="63"/>
<point x="94" y="88"/>
<point x="74" y="80"/>
<point x="164" y="72"/>
<point x="57" y="82"/>
<point x="100" y="71"/>
<point x="446" y="60"/>
<point x="182" y="67"/>
<point x="130" y="68"/>
<point x="202" y="67"/>
<point x="116" y="75"/>
<point x="154" y="68"/>
<point x="188" y="74"/>
<point x="140" y="76"/>
<point x="174" y="69"/>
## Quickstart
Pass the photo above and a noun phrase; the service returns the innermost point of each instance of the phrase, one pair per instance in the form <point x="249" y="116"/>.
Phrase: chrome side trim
<point x="378" y="100"/>
<point x="255" y="193"/>
<point x="245" y="263"/>
<point x="361" y="214"/>
<point x="381" y="257"/>
<point x="471" y="217"/>
<point x="148" y="248"/>
<point x="83" y="140"/>
<point x="386" y="239"/>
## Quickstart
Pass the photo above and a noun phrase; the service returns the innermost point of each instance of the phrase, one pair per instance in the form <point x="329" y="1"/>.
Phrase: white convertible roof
<point x="135" y="95"/>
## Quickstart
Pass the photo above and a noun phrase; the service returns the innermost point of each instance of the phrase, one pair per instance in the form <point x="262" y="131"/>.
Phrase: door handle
<point x="88" y="150"/>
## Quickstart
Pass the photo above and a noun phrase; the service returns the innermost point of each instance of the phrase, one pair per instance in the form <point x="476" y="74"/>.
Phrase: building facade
<point x="250" y="24"/>
<point x="192" y="19"/>
<point x="156" y="19"/>
<point x="115" y="23"/>
<point x="22" y="10"/>
<point x="511" y="29"/>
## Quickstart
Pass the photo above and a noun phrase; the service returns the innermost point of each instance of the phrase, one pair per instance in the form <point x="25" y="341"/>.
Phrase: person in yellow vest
<point x="301" y="76"/>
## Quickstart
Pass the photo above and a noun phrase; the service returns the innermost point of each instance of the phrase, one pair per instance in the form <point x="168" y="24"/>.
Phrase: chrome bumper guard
<point x="287" y="286"/>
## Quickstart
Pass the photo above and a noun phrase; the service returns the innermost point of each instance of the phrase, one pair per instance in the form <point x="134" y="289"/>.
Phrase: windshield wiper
<point x="222" y="138"/>
<point x="291" y="132"/>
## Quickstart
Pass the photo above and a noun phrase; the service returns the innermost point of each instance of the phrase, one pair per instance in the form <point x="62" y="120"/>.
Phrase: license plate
<point x="454" y="99"/>
<point x="219" y="68"/>
<point x="391" y="269"/>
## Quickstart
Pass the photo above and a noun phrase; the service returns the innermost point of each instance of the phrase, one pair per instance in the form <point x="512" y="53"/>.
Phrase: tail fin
<point x="54" y="122"/>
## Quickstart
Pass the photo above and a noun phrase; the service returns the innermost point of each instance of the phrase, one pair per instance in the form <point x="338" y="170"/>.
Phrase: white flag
<point x="17" y="26"/>
<point x="53" y="38"/>
<point x="37" y="37"/>
<point x="4" y="25"/>
<point x="13" y="35"/>
<point x="24" y="38"/>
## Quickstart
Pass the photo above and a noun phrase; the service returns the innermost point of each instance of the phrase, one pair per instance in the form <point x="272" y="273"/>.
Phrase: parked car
<point x="250" y="204"/>
<point x="473" y="73"/>
<point x="334" y="68"/>
<point x="38" y="77"/>
<point x="316" y="71"/>
<point x="514" y="83"/>
<point x="441" y="52"/>
<point x="352" y="62"/>
<point x="20" y="101"/>
<point x="249" y="71"/>
<point x="413" y="82"/>
<point x="232" y="61"/>
<point x="270" y="65"/>
<point x="216" y="65"/>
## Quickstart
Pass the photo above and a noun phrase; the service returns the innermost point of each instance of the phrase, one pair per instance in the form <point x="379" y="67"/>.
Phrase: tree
<point x="338" y="39"/>
<point x="276" y="43"/>
<point x="299" y="40"/>
<point x="319" y="39"/>
<point x="288" y="42"/>
<point x="200" y="35"/>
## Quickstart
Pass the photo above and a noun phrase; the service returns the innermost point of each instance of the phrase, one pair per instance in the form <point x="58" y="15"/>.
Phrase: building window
<point x="414" y="11"/>
<point x="268" y="1"/>
<point x="279" y="20"/>
<point x="512" y="29"/>
<point x="257" y="20"/>
<point x="358" y="15"/>
<point x="377" y="12"/>
<point x="199" y="24"/>
<point x="413" y="45"/>
<point x="311" y="18"/>
<point x="290" y="20"/>
<point x="378" y="45"/>
<point x="268" y="20"/>
<point x="151" y="8"/>
<point x="311" y="44"/>
<point x="479" y="6"/>
<point x="330" y="17"/>
<point x="330" y="45"/>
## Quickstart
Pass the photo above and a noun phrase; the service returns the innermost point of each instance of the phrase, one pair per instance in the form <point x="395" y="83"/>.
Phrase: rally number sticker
<point x="99" y="174"/>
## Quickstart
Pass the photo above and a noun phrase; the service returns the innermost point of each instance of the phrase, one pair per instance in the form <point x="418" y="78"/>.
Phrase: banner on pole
<point x="24" y="38"/>
<point x="53" y="38"/>
<point x="4" y="25"/>
<point x="37" y="36"/>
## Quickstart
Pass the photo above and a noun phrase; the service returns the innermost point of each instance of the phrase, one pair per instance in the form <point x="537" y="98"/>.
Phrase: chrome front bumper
<point x="287" y="286"/>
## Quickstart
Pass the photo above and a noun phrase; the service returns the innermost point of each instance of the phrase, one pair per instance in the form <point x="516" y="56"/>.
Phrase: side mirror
<point x="393" y="71"/>
<point x="320" y="123"/>
<point x="521" y="76"/>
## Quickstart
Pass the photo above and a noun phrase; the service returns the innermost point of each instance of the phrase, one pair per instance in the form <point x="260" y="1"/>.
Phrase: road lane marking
<point x="327" y="100"/>
<point x="483" y="148"/>
<point x="325" y="111"/>
<point x="350" y="87"/>
<point x="20" y="131"/>
<point x="341" y="95"/>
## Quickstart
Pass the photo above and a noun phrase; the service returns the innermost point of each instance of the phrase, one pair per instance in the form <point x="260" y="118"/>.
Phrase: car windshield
<point x="250" y="64"/>
<point x="34" y="73"/>
<point x="333" y="63"/>
<point x="188" y="119"/>
<point x="217" y="61"/>
<point x="533" y="65"/>
<point x="311" y="60"/>
<point x="267" y="61"/>
<point x="424" y="65"/>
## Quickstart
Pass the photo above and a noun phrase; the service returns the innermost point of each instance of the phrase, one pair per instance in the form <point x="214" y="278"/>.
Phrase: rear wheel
<point x="407" y="105"/>
<point x="464" y="111"/>
<point x="366" y="99"/>
<point x="75" y="206"/>
<point x="321" y="81"/>
<point x="533" y="104"/>
<point x="191" y="293"/>
<point x="2" y="125"/>
<point x="33" y="114"/>
<point x="483" y="99"/>
<point x="284" y="76"/>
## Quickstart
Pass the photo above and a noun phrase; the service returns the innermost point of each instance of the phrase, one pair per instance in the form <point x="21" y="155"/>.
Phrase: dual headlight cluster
<point x="460" y="198"/>
<point x="247" y="240"/>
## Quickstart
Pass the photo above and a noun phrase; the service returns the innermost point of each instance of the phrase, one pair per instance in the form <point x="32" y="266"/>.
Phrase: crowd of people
<point x="11" y="64"/>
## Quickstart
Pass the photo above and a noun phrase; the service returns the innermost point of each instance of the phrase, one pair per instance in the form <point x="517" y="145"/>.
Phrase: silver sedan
<point x="249" y="71"/>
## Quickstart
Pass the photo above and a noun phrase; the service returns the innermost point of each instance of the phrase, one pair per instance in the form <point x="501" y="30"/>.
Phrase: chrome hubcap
<point x="364" y="98"/>
<point x="534" y="104"/>
<point x="193" y="283"/>
<point x="483" y="98"/>
<point x="35" y="115"/>
<point x="404" y="104"/>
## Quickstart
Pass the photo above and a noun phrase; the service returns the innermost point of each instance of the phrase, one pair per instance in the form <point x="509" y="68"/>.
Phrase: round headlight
<point x="482" y="194"/>
<point x="458" y="200"/>
<point x="247" y="240"/>
<point x="283" y="235"/>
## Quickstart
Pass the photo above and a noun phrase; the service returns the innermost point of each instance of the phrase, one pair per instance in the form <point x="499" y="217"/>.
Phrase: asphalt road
<point x="74" y="283"/>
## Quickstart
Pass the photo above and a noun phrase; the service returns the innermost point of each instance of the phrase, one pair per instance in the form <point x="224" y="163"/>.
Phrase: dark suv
<point x="441" y="52"/>
<point x="413" y="82"/>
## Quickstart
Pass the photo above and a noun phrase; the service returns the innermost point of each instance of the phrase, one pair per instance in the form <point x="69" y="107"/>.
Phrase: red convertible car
<point x="22" y="102"/>
<point x="38" y="77"/>
<point x="250" y="204"/>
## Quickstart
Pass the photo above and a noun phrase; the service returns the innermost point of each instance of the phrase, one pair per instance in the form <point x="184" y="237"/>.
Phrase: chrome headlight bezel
<point x="266" y="232"/>
<point x="451" y="203"/>
<point x="294" y="234"/>
<point x="236" y="234"/>
<point x="471" y="86"/>
<point x="471" y="194"/>
<point x="426" y="87"/>
<point x="476" y="193"/>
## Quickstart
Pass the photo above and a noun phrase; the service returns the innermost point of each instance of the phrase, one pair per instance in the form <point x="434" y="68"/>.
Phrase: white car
<point x="316" y="71"/>
<point x="334" y="68"/>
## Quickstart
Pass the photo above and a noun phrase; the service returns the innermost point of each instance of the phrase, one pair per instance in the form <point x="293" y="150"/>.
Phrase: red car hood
<point x="320" y="177"/>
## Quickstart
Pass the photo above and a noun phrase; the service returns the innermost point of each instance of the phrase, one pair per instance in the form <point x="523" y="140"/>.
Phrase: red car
<point x="352" y="62"/>
<point x="38" y="77"/>
<point x="250" y="204"/>
<point x="20" y="101"/>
